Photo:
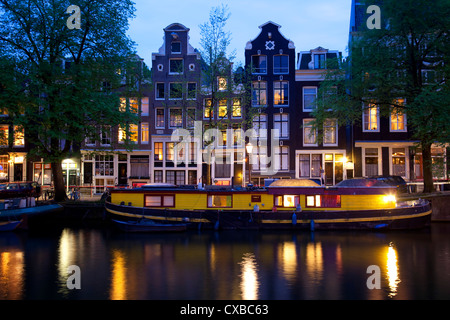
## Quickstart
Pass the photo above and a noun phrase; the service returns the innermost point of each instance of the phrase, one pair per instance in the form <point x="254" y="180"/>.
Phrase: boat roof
<point x="294" y="183"/>
<point x="362" y="183"/>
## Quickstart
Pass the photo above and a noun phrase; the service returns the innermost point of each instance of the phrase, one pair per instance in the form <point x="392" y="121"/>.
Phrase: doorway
<point x="18" y="171"/>
<point x="123" y="176"/>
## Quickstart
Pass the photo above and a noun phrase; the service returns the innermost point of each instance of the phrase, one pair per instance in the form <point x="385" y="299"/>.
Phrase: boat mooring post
<point x="311" y="225"/>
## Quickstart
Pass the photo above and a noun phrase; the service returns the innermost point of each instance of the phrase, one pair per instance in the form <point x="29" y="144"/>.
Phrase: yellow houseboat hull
<point x="272" y="208"/>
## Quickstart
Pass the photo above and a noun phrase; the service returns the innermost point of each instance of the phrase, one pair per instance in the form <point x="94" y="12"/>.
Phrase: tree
<point x="225" y="88"/>
<point x="59" y="82"/>
<point x="391" y="68"/>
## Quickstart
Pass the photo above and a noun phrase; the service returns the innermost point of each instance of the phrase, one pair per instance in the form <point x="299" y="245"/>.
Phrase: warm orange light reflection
<point x="392" y="271"/>
<point x="249" y="277"/>
<point x="118" y="277"/>
<point x="314" y="261"/>
<point x="11" y="275"/>
<point x="288" y="259"/>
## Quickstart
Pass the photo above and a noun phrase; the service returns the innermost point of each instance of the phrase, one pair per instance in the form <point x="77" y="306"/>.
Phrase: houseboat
<point x="26" y="213"/>
<point x="285" y="204"/>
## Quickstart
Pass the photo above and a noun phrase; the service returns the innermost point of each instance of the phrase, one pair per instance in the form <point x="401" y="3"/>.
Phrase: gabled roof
<point x="249" y="43"/>
<point x="176" y="27"/>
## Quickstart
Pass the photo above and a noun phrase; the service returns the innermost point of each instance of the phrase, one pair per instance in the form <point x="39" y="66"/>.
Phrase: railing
<point x="76" y="192"/>
<point x="414" y="187"/>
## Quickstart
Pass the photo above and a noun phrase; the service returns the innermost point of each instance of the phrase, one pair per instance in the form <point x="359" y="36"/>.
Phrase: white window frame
<point x="253" y="67"/>
<point x="281" y="89"/>
<point x="304" y="135"/>
<point x="303" y="95"/>
<point x="156" y="91"/>
<point x="281" y="72"/>
<point x="335" y="133"/>
<point x="282" y="124"/>
<point x="379" y="161"/>
<point x="182" y="66"/>
<point x="364" y="116"/>
<point x="170" y="90"/>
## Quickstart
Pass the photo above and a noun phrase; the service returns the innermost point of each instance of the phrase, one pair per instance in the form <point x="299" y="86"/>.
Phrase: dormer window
<point x="175" y="47"/>
<point x="319" y="61"/>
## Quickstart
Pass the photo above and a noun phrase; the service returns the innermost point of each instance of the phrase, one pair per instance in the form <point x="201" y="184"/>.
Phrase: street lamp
<point x="249" y="148"/>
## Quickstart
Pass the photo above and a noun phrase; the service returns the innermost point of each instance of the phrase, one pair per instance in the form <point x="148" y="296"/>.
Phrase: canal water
<point x="225" y="265"/>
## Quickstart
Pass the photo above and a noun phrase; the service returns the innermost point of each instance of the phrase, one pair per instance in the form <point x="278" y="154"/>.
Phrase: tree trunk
<point x="58" y="180"/>
<point x="428" y="186"/>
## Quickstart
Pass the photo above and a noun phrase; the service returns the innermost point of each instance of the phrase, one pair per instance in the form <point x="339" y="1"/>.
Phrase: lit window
<point x="4" y="136"/>
<point x="144" y="132"/>
<point x="281" y="93"/>
<point x="370" y="118"/>
<point x="259" y="93"/>
<point x="398" y="118"/>
<point x="160" y="118"/>
<point x="219" y="201"/>
<point x="309" y="135"/>
<point x="236" y="108"/>
<point x="330" y="132"/>
<point x="158" y="150"/>
<point x="223" y="112"/>
<point x="133" y="133"/>
<point x="123" y="105"/>
<point x="222" y="83"/>
<point x="323" y="201"/>
<point x="208" y="112"/>
<point x="176" y="118"/>
<point x="134" y="105"/>
<point x="287" y="201"/>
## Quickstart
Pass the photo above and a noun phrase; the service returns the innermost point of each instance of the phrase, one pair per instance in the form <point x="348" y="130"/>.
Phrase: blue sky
<point x="308" y="23"/>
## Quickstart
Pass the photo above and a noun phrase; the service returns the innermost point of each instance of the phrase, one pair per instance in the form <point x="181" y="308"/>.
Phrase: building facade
<point x="271" y="59"/>
<point x="323" y="159"/>
<point x="179" y="111"/>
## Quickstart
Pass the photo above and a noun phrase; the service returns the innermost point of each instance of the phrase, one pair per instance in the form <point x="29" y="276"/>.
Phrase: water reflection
<point x="249" y="277"/>
<point x="314" y="261"/>
<point x="288" y="260"/>
<point x="225" y="265"/>
<point x="11" y="275"/>
<point x="118" y="289"/>
<point x="392" y="271"/>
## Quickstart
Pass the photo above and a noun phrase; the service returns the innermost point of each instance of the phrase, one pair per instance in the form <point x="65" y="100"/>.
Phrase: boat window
<point x="219" y="201"/>
<point x="323" y="201"/>
<point x="168" y="201"/>
<point x="287" y="201"/>
<point x="160" y="201"/>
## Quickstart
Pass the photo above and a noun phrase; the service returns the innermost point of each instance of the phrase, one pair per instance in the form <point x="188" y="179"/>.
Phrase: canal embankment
<point x="440" y="204"/>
